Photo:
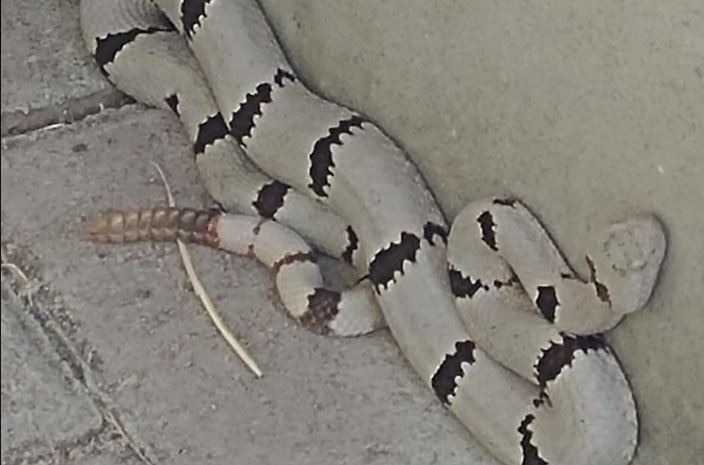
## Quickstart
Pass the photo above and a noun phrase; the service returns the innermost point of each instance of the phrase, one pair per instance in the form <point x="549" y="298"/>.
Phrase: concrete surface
<point x="43" y="62"/>
<point x="40" y="402"/>
<point x="47" y="77"/>
<point x="585" y="111"/>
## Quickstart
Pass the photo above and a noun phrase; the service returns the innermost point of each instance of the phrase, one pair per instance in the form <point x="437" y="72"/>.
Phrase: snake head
<point x="628" y="255"/>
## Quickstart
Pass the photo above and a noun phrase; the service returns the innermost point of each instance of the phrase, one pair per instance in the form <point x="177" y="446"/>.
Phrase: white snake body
<point x="551" y="392"/>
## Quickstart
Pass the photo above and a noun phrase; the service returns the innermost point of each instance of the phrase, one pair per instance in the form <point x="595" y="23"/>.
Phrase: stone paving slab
<point x="44" y="61"/>
<point x="176" y="385"/>
<point x="41" y="403"/>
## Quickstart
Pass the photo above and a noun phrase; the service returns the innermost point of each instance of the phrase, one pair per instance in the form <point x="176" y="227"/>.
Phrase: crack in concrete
<point x="80" y="368"/>
<point x="39" y="451"/>
<point x="67" y="112"/>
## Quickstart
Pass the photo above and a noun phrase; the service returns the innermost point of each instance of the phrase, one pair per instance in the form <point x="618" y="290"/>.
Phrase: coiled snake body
<point x="550" y="392"/>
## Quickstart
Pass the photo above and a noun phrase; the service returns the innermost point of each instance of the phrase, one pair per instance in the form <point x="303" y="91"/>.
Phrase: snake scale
<point x="488" y="312"/>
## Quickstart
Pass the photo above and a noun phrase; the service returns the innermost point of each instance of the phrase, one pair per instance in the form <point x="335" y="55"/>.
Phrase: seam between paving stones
<point x="38" y="451"/>
<point x="70" y="111"/>
<point x="79" y="366"/>
<point x="102" y="118"/>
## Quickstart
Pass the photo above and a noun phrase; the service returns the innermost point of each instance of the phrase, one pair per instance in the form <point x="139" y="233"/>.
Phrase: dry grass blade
<point x="27" y="284"/>
<point x="202" y="294"/>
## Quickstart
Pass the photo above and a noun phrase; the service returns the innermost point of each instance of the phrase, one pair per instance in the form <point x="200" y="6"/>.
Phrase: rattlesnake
<point x="550" y="392"/>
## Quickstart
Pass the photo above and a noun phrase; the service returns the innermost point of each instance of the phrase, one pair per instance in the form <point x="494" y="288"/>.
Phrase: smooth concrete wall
<point x="585" y="110"/>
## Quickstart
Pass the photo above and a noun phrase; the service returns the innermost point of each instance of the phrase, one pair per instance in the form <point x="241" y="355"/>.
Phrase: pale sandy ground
<point x="583" y="110"/>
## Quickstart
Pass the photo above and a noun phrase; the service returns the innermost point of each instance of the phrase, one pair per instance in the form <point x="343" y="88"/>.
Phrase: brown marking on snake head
<point x="487" y="225"/>
<point x="270" y="198"/>
<point x="444" y="381"/>
<point x="388" y="261"/>
<point x="172" y="102"/>
<point x="242" y="120"/>
<point x="281" y="75"/>
<point x="321" y="162"/>
<point x="547" y="302"/>
<point x="323" y="306"/>
<point x="108" y="46"/>
<point x="296" y="257"/>
<point x="602" y="292"/>
<point x="463" y="286"/>
<point x="531" y="456"/>
<point x="352" y="245"/>
<point x="508" y="202"/>
<point x="430" y="230"/>
<point x="561" y="354"/>
<point x="191" y="13"/>
<point x="209" y="131"/>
